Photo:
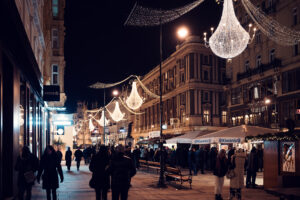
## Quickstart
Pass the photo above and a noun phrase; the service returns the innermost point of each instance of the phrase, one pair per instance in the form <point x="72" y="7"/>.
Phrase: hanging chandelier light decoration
<point x="117" y="115"/>
<point x="102" y="119"/>
<point x="230" y="39"/>
<point x="271" y="28"/>
<point x="91" y="125"/>
<point x="134" y="101"/>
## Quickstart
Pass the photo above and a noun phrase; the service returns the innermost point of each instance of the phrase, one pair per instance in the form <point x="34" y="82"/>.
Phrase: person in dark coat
<point x="59" y="155"/>
<point x="78" y="156"/>
<point x="252" y="168"/>
<point x="136" y="157"/>
<point x="100" y="178"/>
<point x="201" y="159"/>
<point x="220" y="171"/>
<point x="192" y="161"/>
<point x="27" y="163"/>
<point x="121" y="169"/>
<point x="68" y="158"/>
<point x="48" y="169"/>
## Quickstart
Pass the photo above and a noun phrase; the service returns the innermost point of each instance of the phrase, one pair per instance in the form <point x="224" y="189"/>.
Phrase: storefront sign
<point x="229" y="140"/>
<point x="51" y="93"/>
<point x="202" y="141"/>
<point x="154" y="134"/>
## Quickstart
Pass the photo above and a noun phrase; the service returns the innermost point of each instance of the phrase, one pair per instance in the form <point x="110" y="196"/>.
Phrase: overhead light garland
<point x="117" y="115"/>
<point x="230" y="39"/>
<point x="134" y="101"/>
<point x="91" y="125"/>
<point x="270" y="27"/>
<point x="128" y="109"/>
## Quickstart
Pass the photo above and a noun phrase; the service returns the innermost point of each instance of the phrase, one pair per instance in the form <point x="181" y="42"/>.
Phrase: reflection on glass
<point x="288" y="156"/>
<point x="30" y="122"/>
<point x="22" y="113"/>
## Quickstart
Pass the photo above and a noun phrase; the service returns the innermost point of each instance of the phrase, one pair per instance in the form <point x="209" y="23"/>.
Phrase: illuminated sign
<point x="62" y="119"/>
<point x="51" y="93"/>
<point x="298" y="111"/>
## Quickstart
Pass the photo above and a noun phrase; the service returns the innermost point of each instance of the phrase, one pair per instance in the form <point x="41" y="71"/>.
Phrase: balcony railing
<point x="262" y="68"/>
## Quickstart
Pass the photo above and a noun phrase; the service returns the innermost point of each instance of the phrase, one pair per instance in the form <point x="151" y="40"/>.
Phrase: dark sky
<point x="98" y="47"/>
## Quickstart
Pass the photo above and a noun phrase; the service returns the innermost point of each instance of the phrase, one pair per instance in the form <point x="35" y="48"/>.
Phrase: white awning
<point x="232" y="135"/>
<point x="186" y="138"/>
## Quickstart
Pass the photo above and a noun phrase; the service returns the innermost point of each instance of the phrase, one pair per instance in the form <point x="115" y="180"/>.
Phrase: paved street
<point x="76" y="187"/>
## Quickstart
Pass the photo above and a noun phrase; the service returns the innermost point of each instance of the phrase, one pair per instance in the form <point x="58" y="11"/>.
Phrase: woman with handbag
<point x="219" y="172"/>
<point x="237" y="181"/>
<point x="100" y="178"/>
<point x="49" y="167"/>
<point x="27" y="164"/>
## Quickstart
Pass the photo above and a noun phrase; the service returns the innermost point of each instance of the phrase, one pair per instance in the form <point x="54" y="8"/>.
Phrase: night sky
<point x="98" y="47"/>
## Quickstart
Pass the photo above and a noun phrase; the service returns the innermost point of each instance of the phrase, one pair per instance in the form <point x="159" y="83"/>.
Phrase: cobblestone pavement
<point x="76" y="187"/>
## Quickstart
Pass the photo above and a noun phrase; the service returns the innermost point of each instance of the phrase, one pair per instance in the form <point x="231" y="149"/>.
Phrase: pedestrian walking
<point x="136" y="156"/>
<point x="237" y="181"/>
<point x="252" y="168"/>
<point x="27" y="164"/>
<point x="121" y="169"/>
<point x="78" y="156"/>
<point x="192" y="161"/>
<point x="49" y="167"/>
<point x="100" y="178"/>
<point x="219" y="172"/>
<point x="68" y="158"/>
<point x="59" y="154"/>
<point x="201" y="159"/>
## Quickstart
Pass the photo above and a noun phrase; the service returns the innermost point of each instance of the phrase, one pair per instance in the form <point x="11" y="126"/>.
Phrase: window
<point x="182" y="99"/>
<point x="205" y="75"/>
<point x="296" y="52"/>
<point x="270" y="3"/>
<point x="236" y="96"/>
<point x="54" y="8"/>
<point x="55" y="43"/>
<point x="224" y="117"/>
<point x="295" y="16"/>
<point x="258" y="37"/>
<point x="55" y="73"/>
<point x="206" y="97"/>
<point x="247" y="66"/>
<point x="272" y="55"/>
<point x="258" y="61"/>
<point x="255" y="93"/>
<point x="290" y="81"/>
<point x="205" y="60"/>
<point x="206" y="116"/>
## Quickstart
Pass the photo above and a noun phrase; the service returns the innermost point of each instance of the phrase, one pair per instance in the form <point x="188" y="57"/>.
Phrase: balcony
<point x="258" y="70"/>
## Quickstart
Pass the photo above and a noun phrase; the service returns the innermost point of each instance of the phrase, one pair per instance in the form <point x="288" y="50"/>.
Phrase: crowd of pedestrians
<point x="112" y="168"/>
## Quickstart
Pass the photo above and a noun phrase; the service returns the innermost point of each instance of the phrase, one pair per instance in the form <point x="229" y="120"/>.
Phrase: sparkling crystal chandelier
<point x="134" y="101"/>
<point x="230" y="39"/>
<point x="101" y="120"/>
<point x="91" y="125"/>
<point x="117" y="115"/>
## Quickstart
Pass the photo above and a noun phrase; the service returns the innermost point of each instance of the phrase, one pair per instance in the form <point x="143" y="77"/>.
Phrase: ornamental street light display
<point x="117" y="115"/>
<point x="103" y="121"/>
<point x="230" y="39"/>
<point x="134" y="101"/>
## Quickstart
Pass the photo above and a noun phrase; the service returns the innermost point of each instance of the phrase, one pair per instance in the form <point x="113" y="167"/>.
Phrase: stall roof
<point x="187" y="138"/>
<point x="232" y="135"/>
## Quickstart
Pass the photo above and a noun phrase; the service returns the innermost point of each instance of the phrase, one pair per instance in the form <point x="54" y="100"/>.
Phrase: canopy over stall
<point x="186" y="138"/>
<point x="232" y="135"/>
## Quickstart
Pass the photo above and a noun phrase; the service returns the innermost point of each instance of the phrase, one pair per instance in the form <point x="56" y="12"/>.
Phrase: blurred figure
<point x="59" y="154"/>
<point x="192" y="161"/>
<point x="136" y="157"/>
<point x="219" y="172"/>
<point x="48" y="169"/>
<point x="78" y="157"/>
<point x="27" y="164"/>
<point x="252" y="168"/>
<point x="237" y="182"/>
<point x="68" y="158"/>
<point x="121" y="170"/>
<point x="100" y="178"/>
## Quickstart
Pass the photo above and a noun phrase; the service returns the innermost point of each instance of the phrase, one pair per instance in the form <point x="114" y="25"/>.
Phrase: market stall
<point x="186" y="138"/>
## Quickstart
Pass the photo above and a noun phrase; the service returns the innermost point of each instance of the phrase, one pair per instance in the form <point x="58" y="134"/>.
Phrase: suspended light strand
<point x="270" y="27"/>
<point x="117" y="115"/>
<point x="134" y="101"/>
<point x="102" y="120"/>
<point x="100" y="85"/>
<point x="127" y="108"/>
<point x="143" y="16"/>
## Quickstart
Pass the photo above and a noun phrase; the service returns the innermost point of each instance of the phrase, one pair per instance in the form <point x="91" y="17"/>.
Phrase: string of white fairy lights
<point x="145" y="16"/>
<point x="270" y="27"/>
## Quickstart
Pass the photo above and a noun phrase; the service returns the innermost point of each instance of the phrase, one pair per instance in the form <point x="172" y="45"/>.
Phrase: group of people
<point x="110" y="168"/>
<point x="233" y="164"/>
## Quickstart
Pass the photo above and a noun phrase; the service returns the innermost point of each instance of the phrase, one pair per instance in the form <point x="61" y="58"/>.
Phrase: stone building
<point x="193" y="98"/>
<point x="265" y="88"/>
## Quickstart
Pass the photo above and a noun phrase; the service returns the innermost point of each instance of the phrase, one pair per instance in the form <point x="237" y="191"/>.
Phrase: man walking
<point x="68" y="158"/>
<point x="252" y="168"/>
<point x="78" y="157"/>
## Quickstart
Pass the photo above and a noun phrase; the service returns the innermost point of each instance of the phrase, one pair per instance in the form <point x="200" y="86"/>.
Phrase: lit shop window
<point x="55" y="75"/>
<point x="206" y="116"/>
<point x="224" y="117"/>
<point x="55" y="8"/>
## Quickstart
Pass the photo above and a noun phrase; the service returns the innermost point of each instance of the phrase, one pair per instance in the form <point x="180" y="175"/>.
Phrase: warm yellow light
<point x="182" y="32"/>
<point x="267" y="101"/>
<point x="115" y="93"/>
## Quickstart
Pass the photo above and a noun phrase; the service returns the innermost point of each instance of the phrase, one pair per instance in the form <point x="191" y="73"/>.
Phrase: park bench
<point x="143" y="163"/>
<point x="154" y="165"/>
<point x="176" y="175"/>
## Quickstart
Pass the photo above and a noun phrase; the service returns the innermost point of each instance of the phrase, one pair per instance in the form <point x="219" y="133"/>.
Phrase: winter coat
<point x="121" y="169"/>
<point x="252" y="162"/>
<point x="99" y="166"/>
<point x="59" y="154"/>
<point x="221" y="167"/>
<point x="78" y="155"/>
<point x="31" y="163"/>
<point x="48" y="169"/>
<point x="68" y="157"/>
<point x="238" y="180"/>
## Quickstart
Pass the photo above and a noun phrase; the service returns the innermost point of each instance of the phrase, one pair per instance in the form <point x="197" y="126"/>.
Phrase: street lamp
<point x="115" y="93"/>
<point x="182" y="32"/>
<point x="267" y="102"/>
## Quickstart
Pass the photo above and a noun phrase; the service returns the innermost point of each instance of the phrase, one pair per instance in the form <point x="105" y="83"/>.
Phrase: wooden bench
<point x="154" y="165"/>
<point x="143" y="163"/>
<point x="176" y="175"/>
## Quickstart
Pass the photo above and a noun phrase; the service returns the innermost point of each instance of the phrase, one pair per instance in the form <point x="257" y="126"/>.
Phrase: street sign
<point x="51" y="93"/>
